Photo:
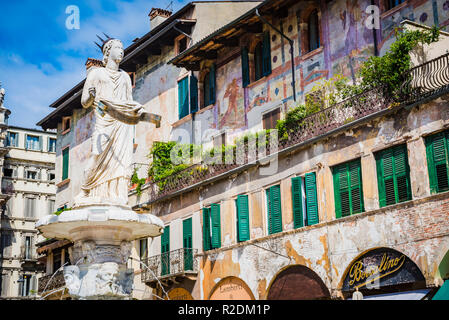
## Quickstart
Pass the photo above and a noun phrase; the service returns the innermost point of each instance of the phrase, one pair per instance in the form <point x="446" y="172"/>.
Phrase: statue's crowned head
<point x="112" y="49"/>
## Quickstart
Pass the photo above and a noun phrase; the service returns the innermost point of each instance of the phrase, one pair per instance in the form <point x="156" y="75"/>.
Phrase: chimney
<point x="93" y="63"/>
<point x="157" y="16"/>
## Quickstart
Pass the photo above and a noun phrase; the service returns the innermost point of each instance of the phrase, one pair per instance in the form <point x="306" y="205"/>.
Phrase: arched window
<point x="258" y="61"/>
<point x="313" y="31"/>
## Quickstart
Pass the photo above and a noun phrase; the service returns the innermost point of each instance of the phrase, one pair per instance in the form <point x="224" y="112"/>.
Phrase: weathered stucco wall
<point x="417" y="228"/>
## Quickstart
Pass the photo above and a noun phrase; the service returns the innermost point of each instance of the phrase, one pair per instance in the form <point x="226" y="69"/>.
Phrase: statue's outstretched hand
<point x="92" y="92"/>
<point x="150" y="117"/>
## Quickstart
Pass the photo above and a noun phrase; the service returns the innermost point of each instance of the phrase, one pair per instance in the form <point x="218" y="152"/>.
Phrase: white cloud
<point x="31" y="88"/>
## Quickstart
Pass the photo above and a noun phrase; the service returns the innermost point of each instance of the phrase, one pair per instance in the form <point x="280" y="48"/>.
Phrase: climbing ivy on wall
<point x="389" y="69"/>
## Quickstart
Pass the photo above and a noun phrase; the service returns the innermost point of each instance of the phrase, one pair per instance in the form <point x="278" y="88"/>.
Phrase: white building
<point x="28" y="182"/>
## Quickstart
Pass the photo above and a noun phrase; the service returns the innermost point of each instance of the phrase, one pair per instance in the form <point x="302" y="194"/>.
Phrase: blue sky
<point x="40" y="59"/>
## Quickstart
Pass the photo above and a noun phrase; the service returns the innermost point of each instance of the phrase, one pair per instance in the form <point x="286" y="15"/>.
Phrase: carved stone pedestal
<point x="102" y="238"/>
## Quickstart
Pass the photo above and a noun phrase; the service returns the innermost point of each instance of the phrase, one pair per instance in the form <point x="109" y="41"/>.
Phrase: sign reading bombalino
<point x="381" y="267"/>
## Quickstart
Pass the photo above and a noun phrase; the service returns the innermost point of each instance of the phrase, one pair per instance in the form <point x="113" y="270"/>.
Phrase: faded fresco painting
<point x="348" y="24"/>
<point x="230" y="102"/>
<point x="83" y="131"/>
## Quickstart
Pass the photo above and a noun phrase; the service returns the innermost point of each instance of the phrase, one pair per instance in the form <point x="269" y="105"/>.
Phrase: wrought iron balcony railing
<point x="56" y="282"/>
<point x="170" y="264"/>
<point x="425" y="81"/>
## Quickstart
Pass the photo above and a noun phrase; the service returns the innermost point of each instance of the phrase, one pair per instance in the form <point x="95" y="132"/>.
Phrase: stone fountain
<point x="101" y="224"/>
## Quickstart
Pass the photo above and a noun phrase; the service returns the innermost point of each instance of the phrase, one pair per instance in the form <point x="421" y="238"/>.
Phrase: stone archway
<point x="231" y="288"/>
<point x="297" y="282"/>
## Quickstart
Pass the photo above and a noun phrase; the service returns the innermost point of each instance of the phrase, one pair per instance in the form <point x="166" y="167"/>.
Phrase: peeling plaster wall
<point x="418" y="228"/>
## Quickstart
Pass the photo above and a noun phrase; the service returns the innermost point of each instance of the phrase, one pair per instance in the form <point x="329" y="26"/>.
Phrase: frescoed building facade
<point x="320" y="206"/>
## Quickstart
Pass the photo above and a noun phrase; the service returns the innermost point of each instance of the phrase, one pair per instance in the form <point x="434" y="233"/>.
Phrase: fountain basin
<point x="102" y="238"/>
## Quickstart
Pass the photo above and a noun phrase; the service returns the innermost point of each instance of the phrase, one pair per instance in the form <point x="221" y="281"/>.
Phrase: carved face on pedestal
<point x="107" y="277"/>
<point x="72" y="278"/>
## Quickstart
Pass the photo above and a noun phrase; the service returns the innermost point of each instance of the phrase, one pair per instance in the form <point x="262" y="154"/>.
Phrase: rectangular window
<point x="51" y="145"/>
<point x="24" y="285"/>
<point x="66" y="124"/>
<point x="393" y="175"/>
<point x="9" y="207"/>
<point x="187" y="243"/>
<point x="6" y="244"/>
<point x="31" y="175"/>
<point x="437" y="151"/>
<point x="50" y="176"/>
<point x="51" y="206"/>
<point x="193" y="94"/>
<point x="211" y="227"/>
<point x="65" y="164"/>
<point x="271" y="118"/>
<point x="4" y="285"/>
<point x="27" y="248"/>
<point x="8" y="172"/>
<point x="348" y="188"/>
<point x="245" y="67"/>
<point x="12" y="139"/>
<point x="242" y="218"/>
<point x="30" y="204"/>
<point x="274" y="209"/>
<point x="390" y="4"/>
<point x="183" y="97"/>
<point x="33" y="143"/>
<point x="266" y="54"/>
<point x="143" y="250"/>
<point x="304" y="201"/>
<point x="165" y="251"/>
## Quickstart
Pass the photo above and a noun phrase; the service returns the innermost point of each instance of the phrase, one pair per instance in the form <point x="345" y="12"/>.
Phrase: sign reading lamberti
<point x="379" y="268"/>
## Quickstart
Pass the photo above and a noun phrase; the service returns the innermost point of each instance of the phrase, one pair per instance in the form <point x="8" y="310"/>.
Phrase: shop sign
<point x="381" y="267"/>
<point x="179" y="294"/>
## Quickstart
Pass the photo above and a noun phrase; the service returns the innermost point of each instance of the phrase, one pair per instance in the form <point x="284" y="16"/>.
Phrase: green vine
<point x="139" y="182"/>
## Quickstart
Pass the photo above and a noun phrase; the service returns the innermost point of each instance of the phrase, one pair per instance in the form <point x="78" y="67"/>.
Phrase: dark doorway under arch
<point x="297" y="283"/>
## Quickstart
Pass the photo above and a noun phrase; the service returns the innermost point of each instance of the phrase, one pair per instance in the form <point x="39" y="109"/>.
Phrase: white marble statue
<point x="108" y="90"/>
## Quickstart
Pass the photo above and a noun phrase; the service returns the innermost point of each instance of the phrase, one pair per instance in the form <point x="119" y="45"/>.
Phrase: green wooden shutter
<point x="242" y="218"/>
<point x="311" y="199"/>
<point x="245" y="67"/>
<point x="187" y="243"/>
<point x="298" y="219"/>
<point x="165" y="251"/>
<point x="216" y="225"/>
<point x="212" y="83"/>
<point x="275" y="212"/>
<point x="183" y="97"/>
<point x="206" y="229"/>
<point x="348" y="189"/>
<point x="193" y="94"/>
<point x="393" y="176"/>
<point x="269" y="222"/>
<point x="355" y="179"/>
<point x="65" y="163"/>
<point x="437" y="161"/>
<point x="266" y="55"/>
<point x="40" y="143"/>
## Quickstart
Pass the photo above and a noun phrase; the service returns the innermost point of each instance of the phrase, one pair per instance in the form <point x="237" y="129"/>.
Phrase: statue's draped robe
<point x="107" y="176"/>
